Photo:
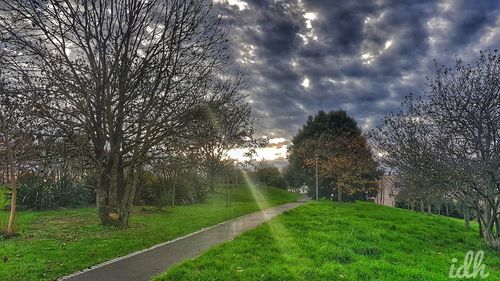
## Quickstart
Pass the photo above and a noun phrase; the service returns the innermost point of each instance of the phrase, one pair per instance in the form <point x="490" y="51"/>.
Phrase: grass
<point x="325" y="241"/>
<point x="56" y="243"/>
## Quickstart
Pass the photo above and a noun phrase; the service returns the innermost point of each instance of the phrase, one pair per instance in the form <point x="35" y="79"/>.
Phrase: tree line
<point x="445" y="145"/>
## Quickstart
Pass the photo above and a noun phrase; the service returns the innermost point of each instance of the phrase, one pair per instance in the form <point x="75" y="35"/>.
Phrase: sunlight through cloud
<point x="242" y="5"/>
<point x="305" y="83"/>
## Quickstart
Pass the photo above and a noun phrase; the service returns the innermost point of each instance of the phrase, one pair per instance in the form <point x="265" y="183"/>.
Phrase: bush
<point x="270" y="176"/>
<point x="191" y="189"/>
<point x="38" y="193"/>
<point x="153" y="190"/>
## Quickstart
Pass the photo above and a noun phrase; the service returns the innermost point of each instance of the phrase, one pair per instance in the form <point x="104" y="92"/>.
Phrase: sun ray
<point x="283" y="239"/>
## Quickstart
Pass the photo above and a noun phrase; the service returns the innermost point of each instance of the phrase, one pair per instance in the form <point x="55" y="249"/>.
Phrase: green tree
<point x="345" y="162"/>
<point x="269" y="175"/>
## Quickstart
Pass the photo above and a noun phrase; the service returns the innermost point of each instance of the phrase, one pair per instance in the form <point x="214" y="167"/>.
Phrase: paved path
<point x="143" y="265"/>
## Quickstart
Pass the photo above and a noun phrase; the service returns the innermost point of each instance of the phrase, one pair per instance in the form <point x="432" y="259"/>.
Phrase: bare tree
<point x="464" y="102"/>
<point x="124" y="74"/>
<point x="221" y="128"/>
<point x="14" y="137"/>
<point x="450" y="140"/>
<point x="8" y="124"/>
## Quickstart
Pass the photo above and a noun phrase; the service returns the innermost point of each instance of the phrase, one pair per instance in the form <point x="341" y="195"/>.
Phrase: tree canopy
<point x="334" y="143"/>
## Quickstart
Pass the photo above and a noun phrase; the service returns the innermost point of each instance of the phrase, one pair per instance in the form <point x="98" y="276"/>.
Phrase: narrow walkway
<point x="144" y="265"/>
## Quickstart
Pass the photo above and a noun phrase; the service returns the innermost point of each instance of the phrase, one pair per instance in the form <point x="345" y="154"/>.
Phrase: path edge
<point x="99" y="265"/>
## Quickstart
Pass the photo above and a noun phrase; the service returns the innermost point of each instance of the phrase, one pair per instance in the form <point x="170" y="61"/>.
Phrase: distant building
<point x="386" y="191"/>
<point x="304" y="189"/>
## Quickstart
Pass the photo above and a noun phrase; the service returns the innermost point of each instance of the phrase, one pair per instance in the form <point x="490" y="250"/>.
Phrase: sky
<point x="361" y="56"/>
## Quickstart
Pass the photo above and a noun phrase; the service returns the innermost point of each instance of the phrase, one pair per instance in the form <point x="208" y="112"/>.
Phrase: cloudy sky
<point x="360" y="56"/>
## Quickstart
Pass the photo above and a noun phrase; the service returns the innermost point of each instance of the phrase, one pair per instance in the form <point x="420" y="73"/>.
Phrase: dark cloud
<point x="360" y="56"/>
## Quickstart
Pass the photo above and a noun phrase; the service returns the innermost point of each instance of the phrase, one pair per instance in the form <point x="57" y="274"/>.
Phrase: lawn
<point x="325" y="241"/>
<point x="55" y="243"/>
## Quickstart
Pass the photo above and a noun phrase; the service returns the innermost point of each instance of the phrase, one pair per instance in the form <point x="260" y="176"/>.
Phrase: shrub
<point x="190" y="188"/>
<point x="39" y="193"/>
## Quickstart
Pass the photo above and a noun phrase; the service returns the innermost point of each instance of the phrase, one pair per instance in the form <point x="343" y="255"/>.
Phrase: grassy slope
<point x="324" y="241"/>
<point x="55" y="243"/>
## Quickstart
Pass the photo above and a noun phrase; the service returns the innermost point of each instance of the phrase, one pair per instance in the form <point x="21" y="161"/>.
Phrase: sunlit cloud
<point x="388" y="44"/>
<point x="305" y="83"/>
<point x="247" y="54"/>
<point x="310" y="33"/>
<point x="265" y="153"/>
<point x="277" y="140"/>
<point x="310" y="16"/>
<point x="275" y="150"/>
<point x="367" y="58"/>
<point x="241" y="5"/>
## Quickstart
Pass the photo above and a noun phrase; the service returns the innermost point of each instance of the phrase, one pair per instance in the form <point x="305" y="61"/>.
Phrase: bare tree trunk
<point x="101" y="196"/>
<point x="102" y="210"/>
<point x="115" y="194"/>
<point x="492" y="237"/>
<point x="466" y="218"/>
<point x="497" y="223"/>
<point x="447" y="210"/>
<point x="339" y="192"/>
<point x="113" y="184"/>
<point x="211" y="177"/>
<point x="173" y="195"/>
<point x="382" y="195"/>
<point x="478" y="215"/>
<point x="490" y="214"/>
<point x="227" y="196"/>
<point x="13" y="186"/>
<point x="125" y="208"/>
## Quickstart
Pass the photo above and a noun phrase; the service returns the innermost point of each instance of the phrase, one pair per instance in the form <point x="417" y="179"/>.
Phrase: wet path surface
<point x="144" y="265"/>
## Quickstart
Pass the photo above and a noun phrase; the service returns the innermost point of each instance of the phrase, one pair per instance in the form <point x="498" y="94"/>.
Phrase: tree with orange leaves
<point x="345" y="162"/>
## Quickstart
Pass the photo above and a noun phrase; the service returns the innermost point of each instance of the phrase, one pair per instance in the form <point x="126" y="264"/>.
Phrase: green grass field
<point x="55" y="243"/>
<point x="325" y="241"/>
